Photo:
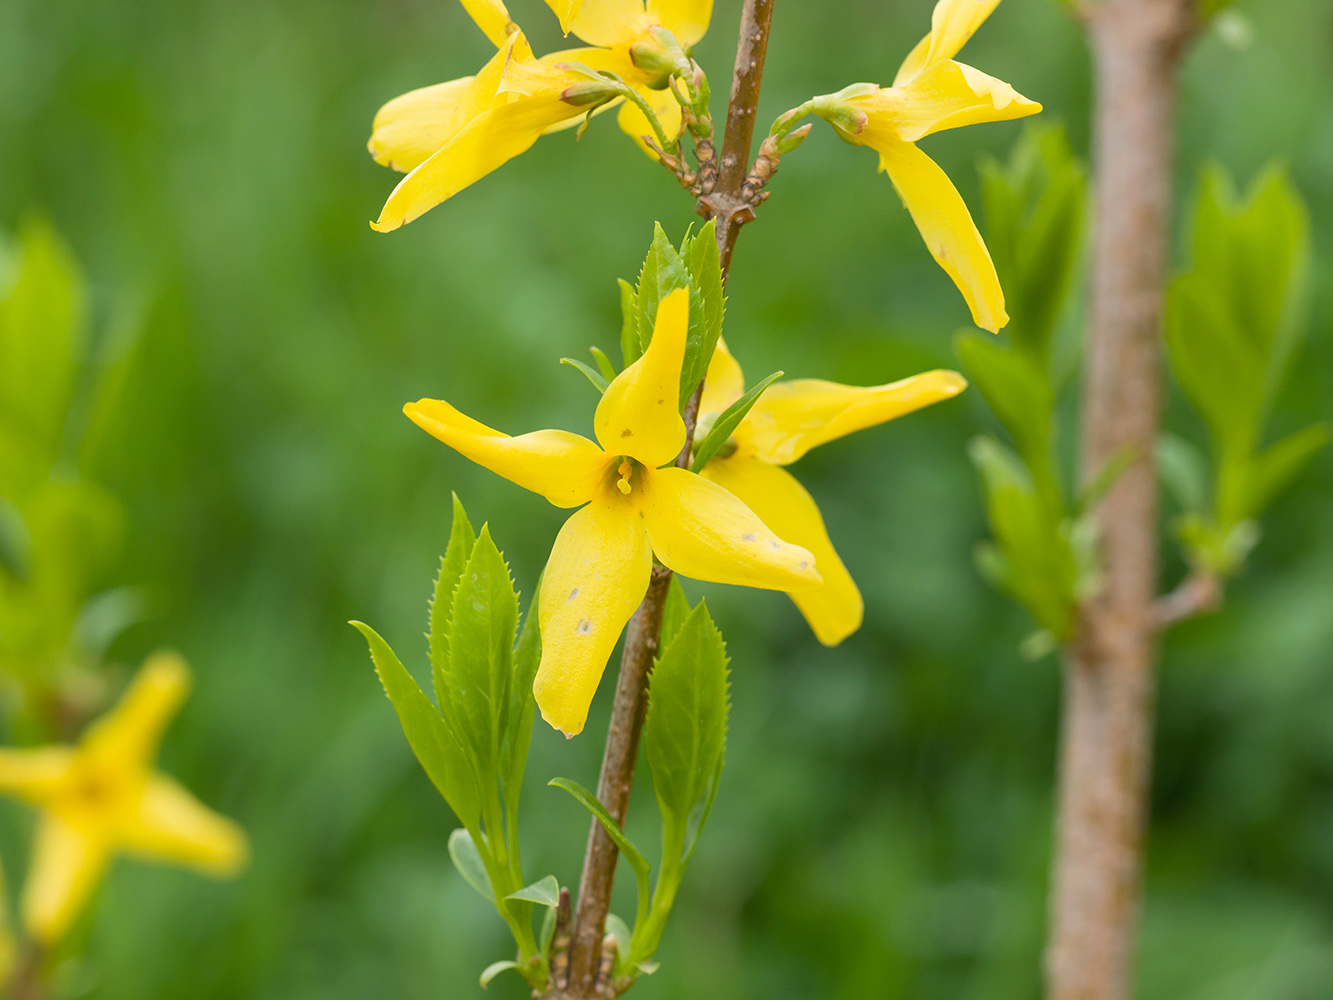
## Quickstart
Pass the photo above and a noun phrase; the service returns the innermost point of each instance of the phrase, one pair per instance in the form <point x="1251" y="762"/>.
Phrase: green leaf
<point x="675" y="612"/>
<point x="494" y="969"/>
<point x="727" y="422"/>
<point x="15" y="542"/>
<point x="1020" y="395"/>
<point x="1183" y="469"/>
<point x="599" y="383"/>
<point x="707" y="305"/>
<point x="685" y="733"/>
<point x="1107" y="476"/>
<point x="545" y="892"/>
<point x="637" y="862"/>
<point x="522" y="704"/>
<point x="630" y="347"/>
<point x="618" y="929"/>
<point x="604" y="365"/>
<point x="481" y="654"/>
<point x="427" y="733"/>
<point x="461" y="540"/>
<point x="42" y="335"/>
<point x="467" y="859"/>
<point x="1273" y="469"/>
<point x="547" y="933"/>
<point x="1033" y="559"/>
<point x="662" y="273"/>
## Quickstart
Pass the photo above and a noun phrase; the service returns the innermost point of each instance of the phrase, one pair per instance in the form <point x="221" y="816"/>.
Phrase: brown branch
<point x="1200" y="593"/>
<point x="1110" y="667"/>
<point x="586" y="969"/>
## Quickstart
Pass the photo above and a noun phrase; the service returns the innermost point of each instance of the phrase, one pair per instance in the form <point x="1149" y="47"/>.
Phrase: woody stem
<point x="643" y="633"/>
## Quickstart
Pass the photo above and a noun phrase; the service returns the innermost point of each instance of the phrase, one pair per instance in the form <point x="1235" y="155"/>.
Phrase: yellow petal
<point x="603" y="22"/>
<point x="491" y="17"/>
<point x="410" y="128"/>
<point x="950" y="234"/>
<point x="563" y="467"/>
<point x="639" y="414"/>
<point x="952" y="23"/>
<point x="724" y="383"/>
<point x="635" y="123"/>
<point x="37" y="775"/>
<point x="686" y="19"/>
<point x="945" y="95"/>
<point x="833" y="608"/>
<point x="170" y="824"/>
<point x="701" y="531"/>
<point x="126" y="738"/>
<point x="597" y="575"/>
<point x="790" y="418"/>
<point x="67" y="863"/>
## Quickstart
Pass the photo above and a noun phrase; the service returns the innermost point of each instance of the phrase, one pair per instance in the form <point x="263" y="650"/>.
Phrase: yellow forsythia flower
<point x="788" y="420"/>
<point x="932" y="93"/>
<point x="102" y="797"/>
<point x="452" y="134"/>
<point x="637" y="506"/>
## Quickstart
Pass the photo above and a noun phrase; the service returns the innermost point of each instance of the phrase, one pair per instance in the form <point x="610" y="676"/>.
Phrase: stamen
<point x="622" y="483"/>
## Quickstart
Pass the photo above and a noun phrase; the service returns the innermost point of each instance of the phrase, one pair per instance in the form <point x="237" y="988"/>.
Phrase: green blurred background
<point x="884" y="824"/>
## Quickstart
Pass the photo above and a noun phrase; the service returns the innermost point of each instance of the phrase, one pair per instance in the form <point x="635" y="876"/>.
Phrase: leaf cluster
<point x="1232" y="323"/>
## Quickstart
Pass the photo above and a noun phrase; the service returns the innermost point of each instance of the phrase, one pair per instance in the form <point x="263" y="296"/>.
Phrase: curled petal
<point x="67" y="863"/>
<point x="635" y="123"/>
<point x="639" y="413"/>
<point x="700" y="530"/>
<point x="834" y="608"/>
<point x="686" y="19"/>
<point x="790" y="418"/>
<point x="724" y="384"/>
<point x="952" y="23"/>
<point x="563" y="467"/>
<point x="410" y="128"/>
<point x="170" y="824"/>
<point x="945" y="95"/>
<point x="597" y="575"/>
<point x="126" y="738"/>
<point x="950" y="234"/>
<point x="491" y="17"/>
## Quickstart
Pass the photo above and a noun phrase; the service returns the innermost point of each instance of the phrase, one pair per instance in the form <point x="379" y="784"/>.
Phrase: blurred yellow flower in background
<point x="450" y="135"/>
<point x="102" y="798"/>
<point x="637" y="505"/>
<point x="785" y="422"/>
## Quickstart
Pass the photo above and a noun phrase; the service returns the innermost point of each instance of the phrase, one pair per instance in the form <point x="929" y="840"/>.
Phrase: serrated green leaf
<point x="637" y="862"/>
<point x="522" y="704"/>
<point x="685" y="732"/>
<point x="604" y="365"/>
<point x="1038" y="566"/>
<point x="662" y="273"/>
<point x="1183" y="469"/>
<point x="675" y="612"/>
<point x="1273" y="469"/>
<point x="598" y="383"/>
<point x="456" y="554"/>
<point x="727" y="422"/>
<point x="707" y="306"/>
<point x="481" y="633"/>
<point x="630" y="347"/>
<point x="43" y="321"/>
<point x="545" y="892"/>
<point x="494" y="969"/>
<point x="467" y="859"/>
<point x="427" y="732"/>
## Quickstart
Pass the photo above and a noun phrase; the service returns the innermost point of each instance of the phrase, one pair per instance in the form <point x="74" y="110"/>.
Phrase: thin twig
<point x="1200" y="593"/>
<point x="643" y="633"/>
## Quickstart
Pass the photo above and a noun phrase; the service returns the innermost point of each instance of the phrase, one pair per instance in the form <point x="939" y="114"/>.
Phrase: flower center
<point x="625" y="470"/>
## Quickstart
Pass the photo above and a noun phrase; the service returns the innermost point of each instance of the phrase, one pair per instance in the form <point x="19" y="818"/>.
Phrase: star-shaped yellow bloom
<point x="637" y="505"/>
<point x="932" y="93"/>
<point x="788" y="420"/>
<point x="102" y="797"/>
<point x="452" y="134"/>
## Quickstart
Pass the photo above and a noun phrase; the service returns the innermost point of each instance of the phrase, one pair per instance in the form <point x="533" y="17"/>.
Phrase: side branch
<point x="1200" y="593"/>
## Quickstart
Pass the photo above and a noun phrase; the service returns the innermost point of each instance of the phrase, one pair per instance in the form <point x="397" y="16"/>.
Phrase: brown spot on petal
<point x="585" y="627"/>
<point x="573" y="594"/>
<point x="627" y="433"/>
<point x="747" y="537"/>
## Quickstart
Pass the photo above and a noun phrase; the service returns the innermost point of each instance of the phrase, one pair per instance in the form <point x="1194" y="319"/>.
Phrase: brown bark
<point x="643" y="633"/>
<point x="1106" y="734"/>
